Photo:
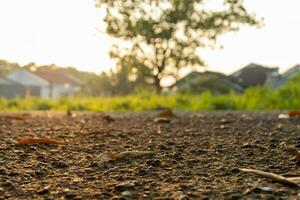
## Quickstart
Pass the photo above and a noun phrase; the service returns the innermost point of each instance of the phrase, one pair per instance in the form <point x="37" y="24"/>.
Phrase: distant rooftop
<point x="57" y="78"/>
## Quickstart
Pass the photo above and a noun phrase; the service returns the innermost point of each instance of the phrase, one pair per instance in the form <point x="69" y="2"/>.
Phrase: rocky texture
<point x="197" y="156"/>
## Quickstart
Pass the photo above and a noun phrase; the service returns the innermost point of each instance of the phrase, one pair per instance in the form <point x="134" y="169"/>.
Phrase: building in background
<point x="11" y="89"/>
<point x="60" y="84"/>
<point x="216" y="83"/>
<point x="284" y="78"/>
<point x="50" y="85"/>
<point x="254" y="74"/>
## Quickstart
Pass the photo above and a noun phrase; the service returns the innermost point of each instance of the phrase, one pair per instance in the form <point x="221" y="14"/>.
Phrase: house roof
<point x="208" y="80"/>
<point x="292" y="71"/>
<point x="6" y="81"/>
<point x="58" y="78"/>
<point x="254" y="74"/>
<point x="254" y="66"/>
<point x="195" y="74"/>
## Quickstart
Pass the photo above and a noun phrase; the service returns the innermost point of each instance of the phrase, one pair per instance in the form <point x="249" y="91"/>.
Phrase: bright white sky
<point x="66" y="33"/>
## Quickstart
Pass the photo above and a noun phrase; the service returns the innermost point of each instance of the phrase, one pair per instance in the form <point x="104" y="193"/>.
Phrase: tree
<point x="130" y="75"/>
<point x="6" y="67"/>
<point x="163" y="36"/>
<point x="98" y="85"/>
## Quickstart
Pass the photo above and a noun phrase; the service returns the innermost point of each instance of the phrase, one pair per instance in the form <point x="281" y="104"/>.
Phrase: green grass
<point x="253" y="99"/>
<point x="257" y="98"/>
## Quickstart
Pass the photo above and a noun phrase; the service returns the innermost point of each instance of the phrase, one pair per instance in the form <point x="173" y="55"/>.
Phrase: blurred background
<point x="119" y="55"/>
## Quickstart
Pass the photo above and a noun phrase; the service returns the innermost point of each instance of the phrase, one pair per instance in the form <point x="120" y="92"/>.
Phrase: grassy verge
<point x="258" y="98"/>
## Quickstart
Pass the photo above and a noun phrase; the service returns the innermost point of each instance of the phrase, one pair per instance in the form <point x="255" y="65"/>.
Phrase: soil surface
<point x="197" y="155"/>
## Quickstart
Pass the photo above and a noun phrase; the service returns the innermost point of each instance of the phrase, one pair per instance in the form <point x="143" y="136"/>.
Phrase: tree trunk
<point x="157" y="84"/>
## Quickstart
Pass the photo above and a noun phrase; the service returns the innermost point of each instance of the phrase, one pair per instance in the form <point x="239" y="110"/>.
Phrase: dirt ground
<point x="197" y="155"/>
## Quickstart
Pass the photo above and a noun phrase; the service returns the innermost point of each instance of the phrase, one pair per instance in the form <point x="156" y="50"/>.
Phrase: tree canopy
<point x="162" y="36"/>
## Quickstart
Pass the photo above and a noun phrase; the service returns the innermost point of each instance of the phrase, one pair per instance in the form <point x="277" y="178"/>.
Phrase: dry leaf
<point x="39" y="141"/>
<point x="106" y="157"/>
<point x="166" y="113"/>
<point x="134" y="154"/>
<point x="294" y="113"/>
<point x="162" y="120"/>
<point x="13" y="117"/>
<point x="273" y="177"/>
<point x="250" y="145"/>
<point x="129" y="154"/>
<point x="294" y="179"/>
<point x="293" y="151"/>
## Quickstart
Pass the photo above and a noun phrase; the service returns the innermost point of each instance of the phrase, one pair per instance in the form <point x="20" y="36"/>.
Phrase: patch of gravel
<point x="197" y="156"/>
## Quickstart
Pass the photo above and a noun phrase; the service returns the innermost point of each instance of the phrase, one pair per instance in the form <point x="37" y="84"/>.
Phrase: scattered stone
<point x="192" y="162"/>
<point x="283" y="116"/>
<point x="11" y="188"/>
<point x="72" y="196"/>
<point x="193" y="158"/>
<point x="154" y="163"/>
<point x="7" y="185"/>
<point x="44" y="191"/>
<point x="163" y="147"/>
<point x="179" y="195"/>
<point x="125" y="186"/>
<point x="60" y="164"/>
<point x="126" y="193"/>
<point x="279" y="127"/>
<point x="225" y="121"/>
<point x="41" y="172"/>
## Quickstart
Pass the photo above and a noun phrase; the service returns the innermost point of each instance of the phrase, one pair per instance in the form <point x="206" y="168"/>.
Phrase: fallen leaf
<point x="257" y="189"/>
<point x="168" y="113"/>
<point x="294" y="179"/>
<point x="162" y="120"/>
<point x="294" y="113"/>
<point x="294" y="151"/>
<point x="13" y="117"/>
<point x="250" y="145"/>
<point x="272" y="176"/>
<point x="105" y="157"/>
<point x="39" y="141"/>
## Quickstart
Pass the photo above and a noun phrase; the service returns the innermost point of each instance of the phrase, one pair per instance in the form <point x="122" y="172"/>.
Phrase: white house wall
<point x="62" y="90"/>
<point x="26" y="78"/>
<point x="45" y="92"/>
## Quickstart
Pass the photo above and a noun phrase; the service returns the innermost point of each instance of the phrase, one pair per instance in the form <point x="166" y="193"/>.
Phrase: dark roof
<point x="255" y="66"/>
<point x="208" y="80"/>
<point x="195" y="74"/>
<point x="58" y="78"/>
<point x="254" y="74"/>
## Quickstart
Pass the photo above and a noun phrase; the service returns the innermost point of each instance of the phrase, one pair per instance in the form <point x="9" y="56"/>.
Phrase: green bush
<point x="256" y="98"/>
